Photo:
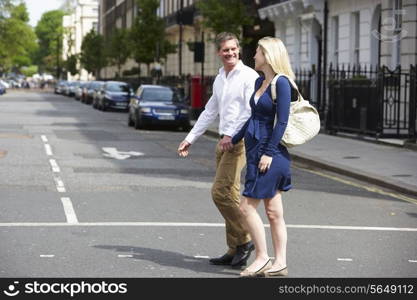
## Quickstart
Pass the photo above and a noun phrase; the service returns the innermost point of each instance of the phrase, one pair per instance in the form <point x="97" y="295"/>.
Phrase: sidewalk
<point x="391" y="167"/>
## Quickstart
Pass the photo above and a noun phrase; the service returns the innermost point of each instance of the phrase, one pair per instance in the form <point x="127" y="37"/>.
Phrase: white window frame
<point x="397" y="16"/>
<point x="335" y="39"/>
<point x="355" y="37"/>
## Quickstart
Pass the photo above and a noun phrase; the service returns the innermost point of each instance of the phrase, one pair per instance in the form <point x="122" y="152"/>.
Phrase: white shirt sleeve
<point x="207" y="117"/>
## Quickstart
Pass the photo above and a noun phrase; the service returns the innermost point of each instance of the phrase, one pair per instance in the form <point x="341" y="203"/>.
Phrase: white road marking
<point x="47" y="255"/>
<point x="124" y="255"/>
<point x="114" y="153"/>
<point x="48" y="149"/>
<point x="201" y="256"/>
<point x="59" y="185"/>
<point x="345" y="259"/>
<point x="412" y="261"/>
<point x="162" y="224"/>
<point x="352" y="228"/>
<point x="54" y="165"/>
<point x="44" y="139"/>
<point x="69" y="210"/>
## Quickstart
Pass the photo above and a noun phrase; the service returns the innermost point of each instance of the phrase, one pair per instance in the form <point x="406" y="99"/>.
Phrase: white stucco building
<point x="366" y="32"/>
<point x="76" y="26"/>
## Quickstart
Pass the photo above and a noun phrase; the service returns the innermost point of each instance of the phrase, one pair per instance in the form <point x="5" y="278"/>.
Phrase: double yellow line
<point x="362" y="186"/>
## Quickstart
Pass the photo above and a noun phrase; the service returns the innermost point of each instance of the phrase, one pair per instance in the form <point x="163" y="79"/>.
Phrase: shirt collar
<point x="238" y="67"/>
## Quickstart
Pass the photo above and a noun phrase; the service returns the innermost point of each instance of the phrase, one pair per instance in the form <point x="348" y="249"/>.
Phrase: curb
<point x="353" y="173"/>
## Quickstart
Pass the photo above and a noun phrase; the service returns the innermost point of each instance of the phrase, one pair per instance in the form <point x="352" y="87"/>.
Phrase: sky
<point x="37" y="7"/>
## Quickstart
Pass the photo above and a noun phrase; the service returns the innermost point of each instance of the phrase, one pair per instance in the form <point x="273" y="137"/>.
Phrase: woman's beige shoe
<point x="282" y="272"/>
<point x="258" y="273"/>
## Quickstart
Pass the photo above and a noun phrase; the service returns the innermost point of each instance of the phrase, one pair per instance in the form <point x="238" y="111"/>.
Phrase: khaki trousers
<point x="226" y="193"/>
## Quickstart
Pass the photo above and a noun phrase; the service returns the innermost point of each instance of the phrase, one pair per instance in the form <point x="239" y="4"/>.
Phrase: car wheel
<point x="186" y="126"/>
<point x="129" y="120"/>
<point x="138" y="121"/>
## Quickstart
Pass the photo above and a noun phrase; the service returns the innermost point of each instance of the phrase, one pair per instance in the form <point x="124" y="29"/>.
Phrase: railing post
<point x="412" y="103"/>
<point x="380" y="97"/>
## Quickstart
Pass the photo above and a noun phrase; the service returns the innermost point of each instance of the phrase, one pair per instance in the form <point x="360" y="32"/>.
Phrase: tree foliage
<point x="149" y="43"/>
<point x="71" y="64"/>
<point x="93" y="56"/>
<point x="118" y="48"/>
<point x="17" y="39"/>
<point x="30" y="70"/>
<point x="49" y="31"/>
<point x="224" y="15"/>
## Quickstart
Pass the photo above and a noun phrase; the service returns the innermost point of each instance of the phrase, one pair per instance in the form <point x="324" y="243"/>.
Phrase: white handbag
<point x="303" y="122"/>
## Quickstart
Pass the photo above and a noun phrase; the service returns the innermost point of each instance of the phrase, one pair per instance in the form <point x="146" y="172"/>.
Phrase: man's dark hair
<point x="225" y="36"/>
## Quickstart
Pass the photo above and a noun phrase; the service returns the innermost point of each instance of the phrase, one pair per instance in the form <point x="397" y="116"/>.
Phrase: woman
<point x="268" y="162"/>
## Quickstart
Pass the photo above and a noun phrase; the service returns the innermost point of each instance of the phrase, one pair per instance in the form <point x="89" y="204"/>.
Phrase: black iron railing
<point x="372" y="101"/>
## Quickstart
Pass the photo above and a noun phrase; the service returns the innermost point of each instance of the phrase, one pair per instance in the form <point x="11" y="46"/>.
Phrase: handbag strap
<point x="274" y="90"/>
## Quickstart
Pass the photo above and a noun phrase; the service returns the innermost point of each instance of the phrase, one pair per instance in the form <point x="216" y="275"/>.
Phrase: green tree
<point x="149" y="43"/>
<point x="118" y="48"/>
<point x="17" y="39"/>
<point x="5" y="6"/>
<point x="30" y="70"/>
<point x="224" y="15"/>
<point x="92" y="53"/>
<point x="49" y="31"/>
<point x="71" y="64"/>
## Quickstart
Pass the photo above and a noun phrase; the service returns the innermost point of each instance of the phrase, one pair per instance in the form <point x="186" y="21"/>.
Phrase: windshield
<point x="160" y="94"/>
<point x="97" y="85"/>
<point x="117" y="87"/>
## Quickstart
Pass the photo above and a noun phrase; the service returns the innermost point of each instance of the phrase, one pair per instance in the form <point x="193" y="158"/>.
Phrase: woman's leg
<point x="256" y="229"/>
<point x="275" y="213"/>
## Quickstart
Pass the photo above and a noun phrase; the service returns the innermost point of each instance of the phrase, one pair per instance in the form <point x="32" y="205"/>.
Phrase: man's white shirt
<point x="230" y="100"/>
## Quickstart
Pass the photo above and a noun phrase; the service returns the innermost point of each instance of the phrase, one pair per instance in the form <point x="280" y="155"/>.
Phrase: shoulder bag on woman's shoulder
<point x="303" y="122"/>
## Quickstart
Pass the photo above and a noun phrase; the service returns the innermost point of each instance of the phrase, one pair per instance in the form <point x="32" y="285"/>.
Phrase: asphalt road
<point x="70" y="208"/>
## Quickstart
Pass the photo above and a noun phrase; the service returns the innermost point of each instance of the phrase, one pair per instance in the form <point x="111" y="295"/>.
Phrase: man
<point x="232" y="90"/>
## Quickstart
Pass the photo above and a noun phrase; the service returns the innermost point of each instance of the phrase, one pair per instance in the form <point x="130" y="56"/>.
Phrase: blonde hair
<point x="276" y="55"/>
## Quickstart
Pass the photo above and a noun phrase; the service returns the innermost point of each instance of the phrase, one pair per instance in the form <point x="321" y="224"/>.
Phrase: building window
<point x="355" y="37"/>
<point x="335" y="39"/>
<point x="95" y="26"/>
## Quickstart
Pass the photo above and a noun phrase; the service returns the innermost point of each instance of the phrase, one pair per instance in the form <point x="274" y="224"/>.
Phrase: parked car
<point x="113" y="94"/>
<point x="84" y="91"/>
<point x="59" y="87"/>
<point x="2" y="89"/>
<point x="5" y="83"/>
<point x="66" y="88"/>
<point x="79" y="90"/>
<point x="156" y="104"/>
<point x="73" y="85"/>
<point x="92" y="89"/>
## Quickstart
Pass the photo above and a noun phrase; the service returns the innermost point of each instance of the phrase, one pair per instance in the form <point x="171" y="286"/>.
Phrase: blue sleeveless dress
<point x="261" y="137"/>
